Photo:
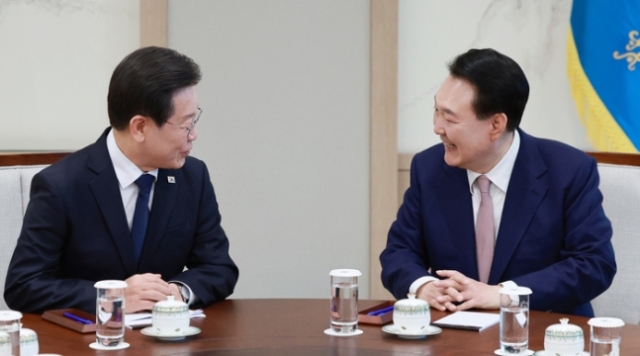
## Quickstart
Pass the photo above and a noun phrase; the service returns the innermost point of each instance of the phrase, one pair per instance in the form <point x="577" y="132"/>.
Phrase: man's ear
<point x="498" y="125"/>
<point x="138" y="126"/>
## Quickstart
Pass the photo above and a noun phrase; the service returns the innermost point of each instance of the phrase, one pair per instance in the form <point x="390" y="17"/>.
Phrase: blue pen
<point x="380" y="311"/>
<point x="77" y="318"/>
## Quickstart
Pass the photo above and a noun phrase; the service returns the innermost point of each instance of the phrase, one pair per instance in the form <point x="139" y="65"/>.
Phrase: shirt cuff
<point x="192" y="297"/>
<point x="413" y="288"/>
<point x="508" y="284"/>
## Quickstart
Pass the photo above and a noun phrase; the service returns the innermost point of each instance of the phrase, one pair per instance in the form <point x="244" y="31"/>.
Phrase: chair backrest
<point x="16" y="172"/>
<point x="620" y="186"/>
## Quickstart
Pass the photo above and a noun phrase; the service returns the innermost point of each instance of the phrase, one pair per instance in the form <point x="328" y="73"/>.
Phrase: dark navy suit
<point x="553" y="238"/>
<point x="75" y="233"/>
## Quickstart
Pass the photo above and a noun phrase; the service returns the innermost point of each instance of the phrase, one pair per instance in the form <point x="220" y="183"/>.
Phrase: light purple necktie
<point x="484" y="230"/>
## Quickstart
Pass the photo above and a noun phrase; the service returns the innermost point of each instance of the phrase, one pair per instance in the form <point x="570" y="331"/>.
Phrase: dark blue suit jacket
<point x="554" y="236"/>
<point x="75" y="233"/>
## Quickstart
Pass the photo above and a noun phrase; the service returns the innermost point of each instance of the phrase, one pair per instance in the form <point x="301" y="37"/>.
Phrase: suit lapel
<point x="107" y="194"/>
<point x="527" y="187"/>
<point x="164" y="197"/>
<point x="454" y="194"/>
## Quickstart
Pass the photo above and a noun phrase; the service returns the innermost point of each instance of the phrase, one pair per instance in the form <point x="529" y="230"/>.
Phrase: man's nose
<point x="438" y="129"/>
<point x="193" y="135"/>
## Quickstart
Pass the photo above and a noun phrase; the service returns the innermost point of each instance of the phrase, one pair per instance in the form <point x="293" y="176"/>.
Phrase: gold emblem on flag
<point x="631" y="56"/>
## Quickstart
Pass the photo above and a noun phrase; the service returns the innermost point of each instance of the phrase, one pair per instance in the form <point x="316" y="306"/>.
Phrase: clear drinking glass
<point x="110" y="312"/>
<point x="344" y="300"/>
<point x="514" y="320"/>
<point x="606" y="334"/>
<point x="10" y="324"/>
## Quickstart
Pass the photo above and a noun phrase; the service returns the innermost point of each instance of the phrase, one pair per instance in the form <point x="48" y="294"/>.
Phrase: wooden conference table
<point x="252" y="327"/>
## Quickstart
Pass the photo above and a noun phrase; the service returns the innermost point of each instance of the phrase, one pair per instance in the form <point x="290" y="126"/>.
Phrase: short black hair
<point x="144" y="84"/>
<point x="500" y="83"/>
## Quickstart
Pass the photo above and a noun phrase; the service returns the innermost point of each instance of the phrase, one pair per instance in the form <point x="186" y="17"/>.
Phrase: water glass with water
<point x="606" y="334"/>
<point x="344" y="300"/>
<point x="10" y="324"/>
<point x="110" y="305"/>
<point x="514" y="320"/>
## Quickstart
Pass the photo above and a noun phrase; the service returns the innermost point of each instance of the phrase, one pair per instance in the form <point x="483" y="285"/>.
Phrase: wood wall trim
<point x="153" y="23"/>
<point x="384" y="134"/>
<point x="30" y="158"/>
<point x="404" y="161"/>
<point x="627" y="159"/>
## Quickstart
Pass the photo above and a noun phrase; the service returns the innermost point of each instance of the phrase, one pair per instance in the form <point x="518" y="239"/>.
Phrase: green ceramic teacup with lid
<point x="412" y="315"/>
<point x="170" y="317"/>
<point x="564" y="339"/>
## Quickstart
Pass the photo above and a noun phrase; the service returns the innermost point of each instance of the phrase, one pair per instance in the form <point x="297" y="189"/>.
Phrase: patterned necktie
<point x="141" y="214"/>
<point x="484" y="230"/>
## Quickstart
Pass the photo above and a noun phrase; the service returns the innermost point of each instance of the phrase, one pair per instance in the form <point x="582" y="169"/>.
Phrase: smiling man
<point x="493" y="206"/>
<point x="132" y="206"/>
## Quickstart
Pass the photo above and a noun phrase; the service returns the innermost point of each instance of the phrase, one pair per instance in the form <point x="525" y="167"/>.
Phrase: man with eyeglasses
<point x="132" y="206"/>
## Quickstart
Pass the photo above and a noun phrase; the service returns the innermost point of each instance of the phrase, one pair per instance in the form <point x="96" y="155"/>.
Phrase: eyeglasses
<point x="191" y="126"/>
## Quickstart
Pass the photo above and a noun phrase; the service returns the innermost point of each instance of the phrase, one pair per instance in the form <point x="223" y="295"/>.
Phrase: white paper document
<point x="468" y="320"/>
<point x="138" y="320"/>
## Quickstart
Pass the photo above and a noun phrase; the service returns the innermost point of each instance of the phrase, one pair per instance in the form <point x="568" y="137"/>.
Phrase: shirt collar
<point x="501" y="173"/>
<point x="126" y="171"/>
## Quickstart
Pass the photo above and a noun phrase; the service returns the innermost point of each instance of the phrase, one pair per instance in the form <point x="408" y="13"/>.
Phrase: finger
<point x="164" y="288"/>
<point x="435" y="304"/>
<point x="138" y="282"/>
<point x="154" y="280"/>
<point x="450" y="306"/>
<point x="469" y="304"/>
<point x="145" y="276"/>
<point x="447" y="273"/>
<point x="446" y="283"/>
<point x="444" y="299"/>
<point x="457" y="295"/>
<point x="454" y="294"/>
<point x="152" y="296"/>
<point x="153" y="284"/>
<point x="458" y="277"/>
<point x="451" y="289"/>
<point x="152" y="275"/>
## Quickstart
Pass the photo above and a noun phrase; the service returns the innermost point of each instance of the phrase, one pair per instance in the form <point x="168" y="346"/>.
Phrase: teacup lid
<point x="606" y="322"/>
<point x="345" y="272"/>
<point x="9" y="315"/>
<point x="26" y="331"/>
<point x="110" y="284"/>
<point x="28" y="335"/>
<point x="564" y="329"/>
<point x="170" y="305"/>
<point x="411" y="301"/>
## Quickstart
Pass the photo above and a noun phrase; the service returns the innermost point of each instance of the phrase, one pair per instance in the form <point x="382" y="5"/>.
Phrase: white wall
<point x="55" y="64"/>
<point x="532" y="32"/>
<point x="285" y="133"/>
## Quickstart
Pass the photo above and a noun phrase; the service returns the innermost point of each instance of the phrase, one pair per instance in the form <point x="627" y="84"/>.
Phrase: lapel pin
<point x="171" y="179"/>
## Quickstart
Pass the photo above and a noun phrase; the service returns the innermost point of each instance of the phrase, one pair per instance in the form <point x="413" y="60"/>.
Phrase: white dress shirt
<point x="127" y="173"/>
<point x="499" y="175"/>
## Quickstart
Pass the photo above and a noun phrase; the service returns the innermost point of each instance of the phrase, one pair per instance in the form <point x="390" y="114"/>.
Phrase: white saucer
<point x="502" y="353"/>
<point x="150" y="331"/>
<point x="392" y="329"/>
<point x="332" y="332"/>
<point x="97" y="346"/>
<point x="545" y="353"/>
